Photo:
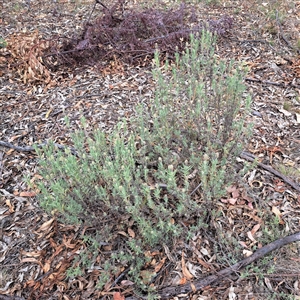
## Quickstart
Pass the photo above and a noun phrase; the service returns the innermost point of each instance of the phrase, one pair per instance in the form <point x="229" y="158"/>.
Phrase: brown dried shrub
<point x="133" y="35"/>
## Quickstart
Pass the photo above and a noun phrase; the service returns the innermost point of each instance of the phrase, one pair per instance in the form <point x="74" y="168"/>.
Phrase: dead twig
<point x="3" y="297"/>
<point x="282" y="84"/>
<point x="97" y="1"/>
<point x="281" y="33"/>
<point x="30" y="148"/>
<point x="250" y="158"/>
<point x="278" y="276"/>
<point x="170" y="291"/>
<point x="1" y="163"/>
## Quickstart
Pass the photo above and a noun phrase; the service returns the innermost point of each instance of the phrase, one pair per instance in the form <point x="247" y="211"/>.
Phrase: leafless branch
<point x="30" y="148"/>
<point x="170" y="291"/>
<point x="282" y="84"/>
<point x="250" y="158"/>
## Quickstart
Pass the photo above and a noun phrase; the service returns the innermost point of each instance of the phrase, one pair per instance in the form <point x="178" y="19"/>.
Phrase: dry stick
<point x="168" y="292"/>
<point x="88" y="20"/>
<point x="281" y="32"/>
<point x="3" y="297"/>
<point x="97" y="1"/>
<point x="1" y="163"/>
<point x="68" y="51"/>
<point x="29" y="149"/>
<point x="250" y="158"/>
<point x="272" y="82"/>
<point x="273" y="275"/>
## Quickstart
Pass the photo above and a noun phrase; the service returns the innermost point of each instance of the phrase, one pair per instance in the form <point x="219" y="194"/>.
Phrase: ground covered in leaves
<point x="36" y="95"/>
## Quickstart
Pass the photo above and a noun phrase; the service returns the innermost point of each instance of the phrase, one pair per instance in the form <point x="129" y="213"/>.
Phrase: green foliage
<point x="272" y="230"/>
<point x="3" y="43"/>
<point x="153" y="171"/>
<point x="266" y="265"/>
<point x="197" y="114"/>
<point x="298" y="44"/>
<point x="211" y="2"/>
<point x="74" y="272"/>
<point x="287" y="170"/>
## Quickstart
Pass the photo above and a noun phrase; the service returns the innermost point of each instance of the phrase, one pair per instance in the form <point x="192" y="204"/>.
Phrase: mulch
<point x="36" y="250"/>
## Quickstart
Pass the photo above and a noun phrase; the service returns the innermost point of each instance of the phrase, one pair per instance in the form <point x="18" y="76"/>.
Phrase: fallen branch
<point x="3" y="297"/>
<point x="1" y="163"/>
<point x="281" y="84"/>
<point x="249" y="157"/>
<point x="170" y="291"/>
<point x="281" y="33"/>
<point x="30" y="148"/>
